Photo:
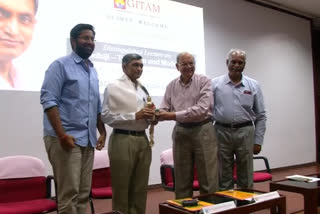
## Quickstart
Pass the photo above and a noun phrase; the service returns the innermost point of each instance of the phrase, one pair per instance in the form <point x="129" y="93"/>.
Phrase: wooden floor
<point x="294" y="201"/>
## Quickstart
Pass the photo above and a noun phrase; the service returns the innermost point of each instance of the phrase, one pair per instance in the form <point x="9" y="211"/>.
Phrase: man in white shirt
<point x="124" y="109"/>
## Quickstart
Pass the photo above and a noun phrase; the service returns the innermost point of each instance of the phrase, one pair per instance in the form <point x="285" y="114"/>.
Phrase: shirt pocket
<point x="71" y="89"/>
<point x="246" y="100"/>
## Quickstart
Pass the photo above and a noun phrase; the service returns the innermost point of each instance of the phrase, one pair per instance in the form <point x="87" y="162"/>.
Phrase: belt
<point x="234" y="126"/>
<point x="129" y="132"/>
<point x="191" y="125"/>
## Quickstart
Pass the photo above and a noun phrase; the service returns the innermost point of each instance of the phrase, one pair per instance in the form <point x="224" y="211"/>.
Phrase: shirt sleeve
<point x="166" y="101"/>
<point x="200" y="109"/>
<point x="111" y="118"/>
<point x="261" y="118"/>
<point x="52" y="85"/>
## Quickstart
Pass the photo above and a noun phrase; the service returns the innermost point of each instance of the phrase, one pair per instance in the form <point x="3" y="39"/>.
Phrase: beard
<point x="84" y="51"/>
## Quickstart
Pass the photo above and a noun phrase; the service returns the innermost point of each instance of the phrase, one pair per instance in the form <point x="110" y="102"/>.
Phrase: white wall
<point x="279" y="56"/>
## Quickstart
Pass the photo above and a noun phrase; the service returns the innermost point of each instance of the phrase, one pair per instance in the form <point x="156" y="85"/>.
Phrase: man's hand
<point x="67" y="142"/>
<point x="256" y="149"/>
<point x="101" y="142"/>
<point x="164" y="115"/>
<point x="145" y="113"/>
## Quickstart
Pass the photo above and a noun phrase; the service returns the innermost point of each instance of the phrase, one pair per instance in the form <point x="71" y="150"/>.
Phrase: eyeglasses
<point x="191" y="64"/>
<point x="87" y="38"/>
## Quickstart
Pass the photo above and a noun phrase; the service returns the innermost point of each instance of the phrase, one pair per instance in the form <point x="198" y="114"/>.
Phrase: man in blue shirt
<point x="240" y="121"/>
<point x="71" y="102"/>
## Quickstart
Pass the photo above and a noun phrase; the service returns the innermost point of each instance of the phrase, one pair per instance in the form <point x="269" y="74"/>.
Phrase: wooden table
<point x="277" y="205"/>
<point x="309" y="191"/>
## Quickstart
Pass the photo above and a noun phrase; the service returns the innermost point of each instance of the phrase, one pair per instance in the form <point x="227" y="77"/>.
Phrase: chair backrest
<point x="101" y="176"/>
<point x="166" y="157"/>
<point x="22" y="178"/>
<point x="101" y="159"/>
<point x="167" y="171"/>
<point x="21" y="167"/>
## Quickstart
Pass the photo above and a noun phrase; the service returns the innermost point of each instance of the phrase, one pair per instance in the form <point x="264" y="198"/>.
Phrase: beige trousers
<point x="130" y="159"/>
<point x="72" y="172"/>
<point x="235" y="145"/>
<point x="195" y="146"/>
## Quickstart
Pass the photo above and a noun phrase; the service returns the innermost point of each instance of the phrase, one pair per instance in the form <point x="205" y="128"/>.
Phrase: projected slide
<point x="155" y="29"/>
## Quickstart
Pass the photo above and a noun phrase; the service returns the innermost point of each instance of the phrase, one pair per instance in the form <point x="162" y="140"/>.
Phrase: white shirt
<point x="121" y="101"/>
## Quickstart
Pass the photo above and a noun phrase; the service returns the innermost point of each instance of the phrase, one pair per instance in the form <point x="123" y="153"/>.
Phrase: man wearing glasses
<point x="71" y="102"/>
<point x="188" y="100"/>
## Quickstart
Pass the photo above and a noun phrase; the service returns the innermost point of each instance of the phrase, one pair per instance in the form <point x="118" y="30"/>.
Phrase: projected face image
<point x="123" y="26"/>
<point x="134" y="69"/>
<point x="186" y="66"/>
<point x="16" y="27"/>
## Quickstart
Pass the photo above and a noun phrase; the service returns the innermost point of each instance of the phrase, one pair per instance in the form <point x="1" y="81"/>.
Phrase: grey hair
<point x="237" y="51"/>
<point x="129" y="57"/>
<point x="184" y="53"/>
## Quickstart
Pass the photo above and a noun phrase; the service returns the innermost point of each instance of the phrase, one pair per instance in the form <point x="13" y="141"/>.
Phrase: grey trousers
<point x="130" y="159"/>
<point x="195" y="146"/>
<point x="235" y="145"/>
<point x="72" y="172"/>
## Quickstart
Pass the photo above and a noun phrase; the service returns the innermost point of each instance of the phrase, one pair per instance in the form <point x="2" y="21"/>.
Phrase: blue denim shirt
<point x="74" y="89"/>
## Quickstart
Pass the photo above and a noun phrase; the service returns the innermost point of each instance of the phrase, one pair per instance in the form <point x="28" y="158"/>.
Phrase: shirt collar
<point x="180" y="81"/>
<point x="127" y="79"/>
<point x="78" y="59"/>
<point x="228" y="81"/>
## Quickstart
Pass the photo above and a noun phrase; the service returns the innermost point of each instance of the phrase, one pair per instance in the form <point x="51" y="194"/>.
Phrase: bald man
<point x="188" y="101"/>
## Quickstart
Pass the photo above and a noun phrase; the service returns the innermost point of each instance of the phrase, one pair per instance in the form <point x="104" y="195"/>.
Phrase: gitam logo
<point x="120" y="4"/>
<point x="140" y="6"/>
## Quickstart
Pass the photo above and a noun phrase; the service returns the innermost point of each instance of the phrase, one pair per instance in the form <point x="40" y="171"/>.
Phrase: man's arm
<point x="198" y="110"/>
<point x="66" y="141"/>
<point x="49" y="98"/>
<point x="202" y="106"/>
<point x="103" y="133"/>
<point x="112" y="118"/>
<point x="261" y="119"/>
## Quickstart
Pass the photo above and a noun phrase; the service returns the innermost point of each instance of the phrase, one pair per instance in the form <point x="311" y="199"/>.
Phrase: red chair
<point x="258" y="176"/>
<point x="167" y="172"/>
<point x="25" y="187"/>
<point x="101" y="178"/>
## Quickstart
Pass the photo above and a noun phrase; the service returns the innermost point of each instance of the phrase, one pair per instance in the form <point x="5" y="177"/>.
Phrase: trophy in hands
<point x="151" y="105"/>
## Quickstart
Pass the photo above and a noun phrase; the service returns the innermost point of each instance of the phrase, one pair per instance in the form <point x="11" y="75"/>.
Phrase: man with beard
<point x="17" y="21"/>
<point x="126" y="111"/>
<point x="240" y="121"/>
<point x="71" y="102"/>
<point x="188" y="101"/>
